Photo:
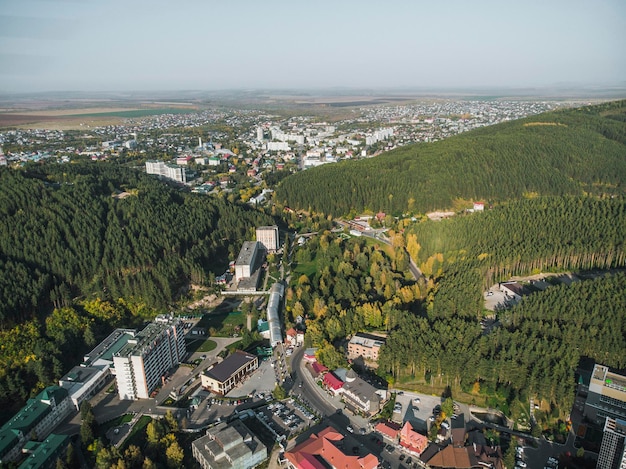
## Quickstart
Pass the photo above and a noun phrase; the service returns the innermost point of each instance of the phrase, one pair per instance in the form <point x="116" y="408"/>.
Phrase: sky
<point x="150" y="45"/>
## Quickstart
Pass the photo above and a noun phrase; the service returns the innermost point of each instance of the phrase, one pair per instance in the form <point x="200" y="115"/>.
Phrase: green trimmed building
<point x="35" y="421"/>
<point x="44" y="454"/>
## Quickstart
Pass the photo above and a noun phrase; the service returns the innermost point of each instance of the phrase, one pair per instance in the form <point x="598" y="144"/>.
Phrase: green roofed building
<point x="34" y="421"/>
<point x="44" y="454"/>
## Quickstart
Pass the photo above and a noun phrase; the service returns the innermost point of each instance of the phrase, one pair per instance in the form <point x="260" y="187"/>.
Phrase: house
<point x="317" y="369"/>
<point x="263" y="328"/>
<point x="388" y="430"/>
<point x="326" y="449"/>
<point x="412" y="441"/>
<point x="332" y="383"/>
<point x="309" y="355"/>
<point x="294" y="338"/>
<point x="479" y="206"/>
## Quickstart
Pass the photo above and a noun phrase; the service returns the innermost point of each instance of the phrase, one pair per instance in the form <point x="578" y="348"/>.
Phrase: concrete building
<point x="229" y="445"/>
<point x="141" y="363"/>
<point x="168" y="171"/>
<point x="365" y="345"/>
<point x="83" y="382"/>
<point x="606" y="396"/>
<point x="245" y="264"/>
<point x="224" y="376"/>
<point x="35" y="421"/>
<point x="268" y="237"/>
<point x="612" y="453"/>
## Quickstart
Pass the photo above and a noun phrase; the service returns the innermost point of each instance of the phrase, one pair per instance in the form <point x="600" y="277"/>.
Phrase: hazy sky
<point x="110" y="45"/>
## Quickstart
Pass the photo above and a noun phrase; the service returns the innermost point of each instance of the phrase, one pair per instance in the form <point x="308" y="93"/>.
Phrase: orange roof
<point x="291" y="332"/>
<point x="307" y="454"/>
<point x="412" y="440"/>
<point x="451" y="457"/>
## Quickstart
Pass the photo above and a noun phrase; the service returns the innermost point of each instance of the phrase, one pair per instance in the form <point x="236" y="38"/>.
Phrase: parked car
<point x="350" y="429"/>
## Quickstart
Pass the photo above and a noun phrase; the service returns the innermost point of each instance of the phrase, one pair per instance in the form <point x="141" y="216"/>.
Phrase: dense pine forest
<point x="103" y="246"/>
<point x="573" y="151"/>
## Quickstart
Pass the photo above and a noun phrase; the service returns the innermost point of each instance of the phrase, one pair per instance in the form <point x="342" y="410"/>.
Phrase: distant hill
<point x="574" y="151"/>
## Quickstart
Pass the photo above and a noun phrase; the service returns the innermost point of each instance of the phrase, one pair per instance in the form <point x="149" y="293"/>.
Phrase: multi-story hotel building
<point x="34" y="421"/>
<point x="141" y="363"/>
<point x="246" y="260"/>
<point x="606" y="396"/>
<point x="169" y="171"/>
<point x="612" y="453"/>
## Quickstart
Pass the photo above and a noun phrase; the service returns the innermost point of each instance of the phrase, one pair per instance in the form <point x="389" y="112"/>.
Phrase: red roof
<point x="307" y="455"/>
<point x="291" y="332"/>
<point x="332" y="381"/>
<point x="389" y="429"/>
<point x="318" y="368"/>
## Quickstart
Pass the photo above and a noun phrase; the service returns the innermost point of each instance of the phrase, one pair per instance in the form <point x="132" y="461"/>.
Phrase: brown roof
<point x="451" y="457"/>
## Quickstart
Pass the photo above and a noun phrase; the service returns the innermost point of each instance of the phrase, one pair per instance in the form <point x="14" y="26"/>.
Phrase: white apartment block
<point x="268" y="237"/>
<point x="278" y="146"/>
<point x="141" y="363"/>
<point x="169" y="171"/>
<point x="244" y="265"/>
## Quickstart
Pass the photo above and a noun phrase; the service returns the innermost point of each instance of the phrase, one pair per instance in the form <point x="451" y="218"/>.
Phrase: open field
<point x="77" y="118"/>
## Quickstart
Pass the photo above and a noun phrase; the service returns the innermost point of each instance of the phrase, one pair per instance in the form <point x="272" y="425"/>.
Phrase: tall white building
<point x="612" y="453"/>
<point x="259" y="134"/>
<point x="169" y="171"/>
<point x="268" y="237"/>
<point x="246" y="260"/>
<point x="141" y="363"/>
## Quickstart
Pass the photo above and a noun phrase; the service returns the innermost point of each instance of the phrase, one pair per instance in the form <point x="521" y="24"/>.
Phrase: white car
<point x="350" y="429"/>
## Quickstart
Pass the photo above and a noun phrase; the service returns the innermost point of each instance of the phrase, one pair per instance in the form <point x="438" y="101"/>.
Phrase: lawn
<point x="137" y="435"/>
<point x="305" y="268"/>
<point x="207" y="346"/>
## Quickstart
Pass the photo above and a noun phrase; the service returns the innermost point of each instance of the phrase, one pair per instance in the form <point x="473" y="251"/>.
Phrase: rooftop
<point x="367" y="340"/>
<point x="110" y="346"/>
<point x="224" y="370"/>
<point x="137" y="345"/>
<point x="41" y="452"/>
<point x="247" y="252"/>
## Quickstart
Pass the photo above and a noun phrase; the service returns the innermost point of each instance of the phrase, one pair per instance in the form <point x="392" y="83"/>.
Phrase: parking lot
<point x="287" y="418"/>
<point x="416" y="408"/>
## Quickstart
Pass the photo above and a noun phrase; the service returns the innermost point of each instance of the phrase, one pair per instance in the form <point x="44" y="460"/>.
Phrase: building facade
<point x="365" y="345"/>
<point x="224" y="376"/>
<point x="246" y="260"/>
<point x="35" y="421"/>
<point x="606" y="396"/>
<point x="168" y="171"/>
<point x="612" y="453"/>
<point x="268" y="236"/>
<point x="141" y="363"/>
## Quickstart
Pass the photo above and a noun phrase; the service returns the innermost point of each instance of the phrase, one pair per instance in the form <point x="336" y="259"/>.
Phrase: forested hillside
<point x="67" y="232"/>
<point x="435" y="337"/>
<point x="86" y="248"/>
<point x="573" y="151"/>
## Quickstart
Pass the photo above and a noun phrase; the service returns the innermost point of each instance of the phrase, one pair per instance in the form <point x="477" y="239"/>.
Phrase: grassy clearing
<point x="305" y="268"/>
<point x="207" y="346"/>
<point x="137" y="435"/>
<point x="116" y="422"/>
